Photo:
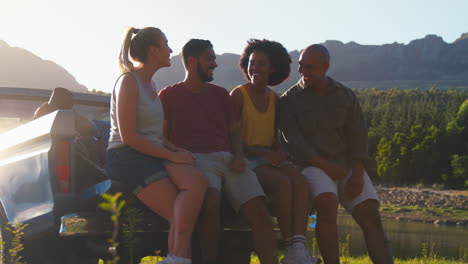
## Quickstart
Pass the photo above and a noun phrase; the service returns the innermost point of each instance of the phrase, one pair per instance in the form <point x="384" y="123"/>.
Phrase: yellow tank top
<point x="258" y="129"/>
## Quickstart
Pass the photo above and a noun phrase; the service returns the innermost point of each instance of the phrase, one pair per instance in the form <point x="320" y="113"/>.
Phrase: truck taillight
<point x="62" y="159"/>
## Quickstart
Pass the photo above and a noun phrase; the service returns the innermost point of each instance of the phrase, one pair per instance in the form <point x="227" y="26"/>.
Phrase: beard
<point x="203" y="75"/>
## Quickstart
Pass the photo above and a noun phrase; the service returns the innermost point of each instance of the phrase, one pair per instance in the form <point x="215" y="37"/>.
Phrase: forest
<point x="417" y="136"/>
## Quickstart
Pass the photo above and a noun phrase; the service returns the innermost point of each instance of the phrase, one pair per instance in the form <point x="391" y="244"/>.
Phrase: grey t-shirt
<point x="149" y="117"/>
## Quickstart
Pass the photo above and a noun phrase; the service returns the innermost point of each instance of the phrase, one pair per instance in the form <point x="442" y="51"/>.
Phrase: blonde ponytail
<point x="125" y="64"/>
<point x="137" y="46"/>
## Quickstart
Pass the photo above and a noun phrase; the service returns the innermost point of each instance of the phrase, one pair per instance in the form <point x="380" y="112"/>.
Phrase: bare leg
<point x="159" y="196"/>
<point x="300" y="200"/>
<point x="367" y="216"/>
<point x="259" y="220"/>
<point x="326" y="205"/>
<point x="210" y="226"/>
<point x="192" y="185"/>
<point x="277" y="186"/>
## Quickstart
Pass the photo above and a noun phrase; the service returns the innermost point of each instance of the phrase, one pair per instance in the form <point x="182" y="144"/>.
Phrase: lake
<point x="407" y="238"/>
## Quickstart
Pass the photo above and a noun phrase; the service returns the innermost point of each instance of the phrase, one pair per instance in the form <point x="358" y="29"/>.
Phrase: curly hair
<point x="279" y="58"/>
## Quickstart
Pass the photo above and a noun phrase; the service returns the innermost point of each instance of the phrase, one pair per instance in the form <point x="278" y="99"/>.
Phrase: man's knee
<point x="367" y="214"/>
<point x="314" y="172"/>
<point x="255" y="209"/>
<point x="298" y="180"/>
<point x="281" y="185"/>
<point x="273" y="180"/>
<point x="326" y="204"/>
<point x="318" y="181"/>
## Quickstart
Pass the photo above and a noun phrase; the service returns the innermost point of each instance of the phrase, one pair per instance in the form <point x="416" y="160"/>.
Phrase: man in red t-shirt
<point x="201" y="118"/>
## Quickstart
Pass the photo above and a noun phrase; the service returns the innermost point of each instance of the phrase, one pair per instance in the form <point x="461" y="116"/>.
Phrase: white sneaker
<point x="171" y="259"/>
<point x="299" y="254"/>
<point x="314" y="260"/>
<point x="308" y="255"/>
<point x="288" y="258"/>
<point x="311" y="259"/>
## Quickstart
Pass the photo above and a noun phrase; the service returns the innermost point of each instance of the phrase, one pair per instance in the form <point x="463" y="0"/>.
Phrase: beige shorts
<point x="319" y="183"/>
<point x="237" y="187"/>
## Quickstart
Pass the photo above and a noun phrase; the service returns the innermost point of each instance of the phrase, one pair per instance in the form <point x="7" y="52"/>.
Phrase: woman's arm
<point x="126" y="105"/>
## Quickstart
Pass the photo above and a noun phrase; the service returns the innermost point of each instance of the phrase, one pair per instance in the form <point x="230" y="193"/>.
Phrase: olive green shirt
<point x="330" y="126"/>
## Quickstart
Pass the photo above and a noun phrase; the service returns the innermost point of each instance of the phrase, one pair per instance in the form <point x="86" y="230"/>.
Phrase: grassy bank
<point x="429" y="214"/>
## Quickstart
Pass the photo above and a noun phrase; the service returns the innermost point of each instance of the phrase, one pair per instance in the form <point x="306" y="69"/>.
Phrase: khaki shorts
<point x="237" y="187"/>
<point x="319" y="183"/>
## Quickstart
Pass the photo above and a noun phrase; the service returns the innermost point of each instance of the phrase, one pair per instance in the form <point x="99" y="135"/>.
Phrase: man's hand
<point x="333" y="170"/>
<point x="353" y="187"/>
<point x="237" y="164"/>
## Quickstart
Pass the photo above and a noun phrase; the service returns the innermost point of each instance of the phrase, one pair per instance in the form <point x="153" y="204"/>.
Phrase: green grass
<point x="352" y="260"/>
<point x="427" y="255"/>
<point x="420" y="260"/>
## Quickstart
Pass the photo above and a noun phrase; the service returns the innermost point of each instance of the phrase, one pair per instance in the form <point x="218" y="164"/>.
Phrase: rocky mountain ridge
<point x="423" y="63"/>
<point x="21" y="68"/>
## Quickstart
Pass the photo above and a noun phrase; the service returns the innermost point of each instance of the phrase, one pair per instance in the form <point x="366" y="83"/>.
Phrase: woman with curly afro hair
<point x="267" y="63"/>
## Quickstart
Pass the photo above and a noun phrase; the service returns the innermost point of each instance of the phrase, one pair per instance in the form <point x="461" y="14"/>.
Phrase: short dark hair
<point x="194" y="48"/>
<point x="279" y="58"/>
<point x="322" y="50"/>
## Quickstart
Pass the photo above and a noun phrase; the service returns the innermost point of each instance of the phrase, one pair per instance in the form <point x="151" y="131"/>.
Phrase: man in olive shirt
<point x="322" y="125"/>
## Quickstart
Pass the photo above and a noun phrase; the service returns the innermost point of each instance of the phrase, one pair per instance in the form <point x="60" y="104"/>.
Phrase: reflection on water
<point x="407" y="238"/>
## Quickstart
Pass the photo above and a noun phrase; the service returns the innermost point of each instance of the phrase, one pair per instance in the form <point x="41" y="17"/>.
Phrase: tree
<point x="458" y="179"/>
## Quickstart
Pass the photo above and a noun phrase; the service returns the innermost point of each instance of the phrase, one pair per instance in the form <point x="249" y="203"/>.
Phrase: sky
<point x="85" y="36"/>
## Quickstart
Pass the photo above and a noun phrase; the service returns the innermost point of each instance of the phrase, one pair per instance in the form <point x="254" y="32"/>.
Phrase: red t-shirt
<point x="199" y="122"/>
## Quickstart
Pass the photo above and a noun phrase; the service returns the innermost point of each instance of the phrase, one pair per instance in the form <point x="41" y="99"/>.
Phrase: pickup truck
<point x="49" y="186"/>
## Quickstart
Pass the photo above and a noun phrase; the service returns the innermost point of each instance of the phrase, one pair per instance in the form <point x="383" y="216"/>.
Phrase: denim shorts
<point x="134" y="169"/>
<point x="255" y="161"/>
